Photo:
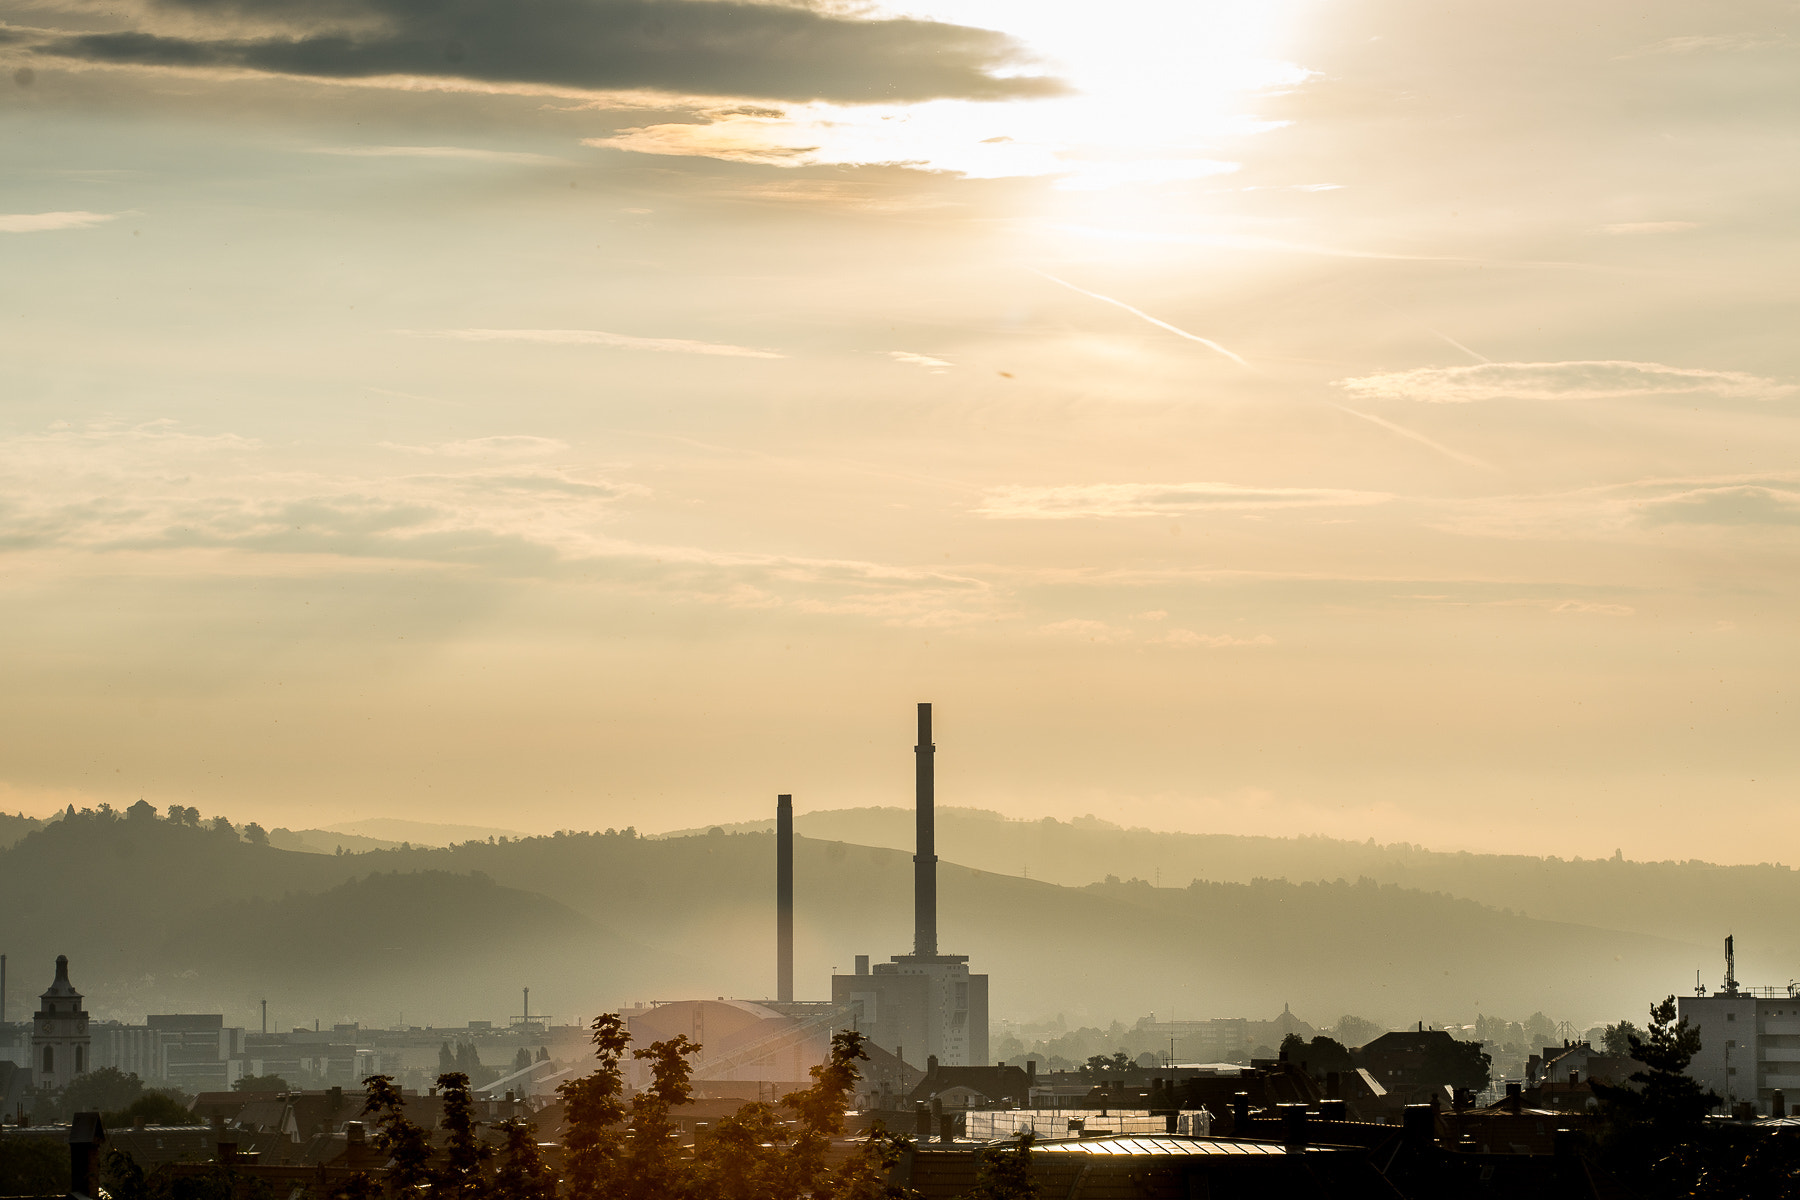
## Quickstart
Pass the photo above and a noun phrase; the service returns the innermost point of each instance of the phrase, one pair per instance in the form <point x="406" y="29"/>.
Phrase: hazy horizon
<point x="1375" y="421"/>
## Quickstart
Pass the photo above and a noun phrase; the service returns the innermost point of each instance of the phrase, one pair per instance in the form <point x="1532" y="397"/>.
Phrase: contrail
<point x="1142" y="315"/>
<point x="1477" y="357"/>
<point x="1467" y="460"/>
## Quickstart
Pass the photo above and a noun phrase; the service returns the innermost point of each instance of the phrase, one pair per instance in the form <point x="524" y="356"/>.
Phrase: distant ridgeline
<point x="12" y="828"/>
<point x="191" y="915"/>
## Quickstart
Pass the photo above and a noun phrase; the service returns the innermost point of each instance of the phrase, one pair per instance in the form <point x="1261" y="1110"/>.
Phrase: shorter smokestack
<point x="784" y="898"/>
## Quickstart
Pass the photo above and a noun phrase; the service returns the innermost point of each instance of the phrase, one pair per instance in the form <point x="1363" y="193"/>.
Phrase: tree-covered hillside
<point x="165" y="915"/>
<point x="1689" y="901"/>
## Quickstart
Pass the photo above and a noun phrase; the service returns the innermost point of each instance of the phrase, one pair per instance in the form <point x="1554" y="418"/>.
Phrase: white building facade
<point x="1749" y="1044"/>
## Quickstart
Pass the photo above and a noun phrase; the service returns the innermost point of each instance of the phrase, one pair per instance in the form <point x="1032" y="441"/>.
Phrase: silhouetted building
<point x="59" y="1034"/>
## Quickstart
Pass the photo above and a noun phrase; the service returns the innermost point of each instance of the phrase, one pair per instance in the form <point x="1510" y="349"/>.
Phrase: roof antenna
<point x="1730" y="968"/>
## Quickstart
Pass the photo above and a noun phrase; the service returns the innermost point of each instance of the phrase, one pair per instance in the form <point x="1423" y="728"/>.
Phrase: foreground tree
<point x="461" y="1175"/>
<point x="405" y="1144"/>
<point x="523" y="1174"/>
<point x="654" y="1169"/>
<point x="1004" y="1172"/>
<point x="1653" y="1132"/>
<point x="594" y="1115"/>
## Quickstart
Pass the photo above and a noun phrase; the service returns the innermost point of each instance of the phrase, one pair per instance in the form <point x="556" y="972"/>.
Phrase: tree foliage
<point x="461" y="1172"/>
<point x="1004" y="1172"/>
<point x="262" y="1083"/>
<point x="523" y="1174"/>
<point x="405" y="1144"/>
<point x="1616" y="1039"/>
<point x="593" y="1115"/>
<point x="153" y="1108"/>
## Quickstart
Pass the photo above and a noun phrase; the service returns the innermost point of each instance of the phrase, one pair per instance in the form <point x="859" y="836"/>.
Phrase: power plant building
<point x="922" y="1005"/>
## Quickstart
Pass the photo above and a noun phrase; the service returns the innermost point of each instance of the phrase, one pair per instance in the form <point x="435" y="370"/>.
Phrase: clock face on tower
<point x="44" y="1027"/>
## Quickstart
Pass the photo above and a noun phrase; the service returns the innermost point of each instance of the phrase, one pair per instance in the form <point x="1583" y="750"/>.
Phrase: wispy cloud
<point x="1631" y="227"/>
<point x="1157" y="500"/>
<point x="1732" y="504"/>
<point x="936" y="366"/>
<point x="1558" y="381"/>
<point x="1144" y="316"/>
<point x="512" y="445"/>
<point x="1467" y="460"/>
<point x="1703" y="42"/>
<point x="464" y="152"/>
<point x="595" y="337"/>
<point x="1083" y="629"/>
<point x="49" y="222"/>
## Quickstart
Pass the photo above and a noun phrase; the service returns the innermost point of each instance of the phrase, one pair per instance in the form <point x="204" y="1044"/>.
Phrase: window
<point x="49" y="1060"/>
<point x="1731" y="1016"/>
<point x="78" y="1067"/>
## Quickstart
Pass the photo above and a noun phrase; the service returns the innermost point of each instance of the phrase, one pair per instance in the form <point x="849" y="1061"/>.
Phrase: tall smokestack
<point x="925" y="861"/>
<point x="784" y="897"/>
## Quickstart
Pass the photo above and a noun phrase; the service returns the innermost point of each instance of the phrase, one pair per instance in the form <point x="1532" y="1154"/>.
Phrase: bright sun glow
<point x="1134" y="115"/>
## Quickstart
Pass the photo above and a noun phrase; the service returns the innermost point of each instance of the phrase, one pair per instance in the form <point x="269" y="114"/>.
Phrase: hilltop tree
<point x="256" y="835"/>
<point x="522" y="1059"/>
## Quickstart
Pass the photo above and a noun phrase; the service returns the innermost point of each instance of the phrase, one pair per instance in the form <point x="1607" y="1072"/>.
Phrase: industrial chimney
<point x="925" y="944"/>
<point x="784" y="898"/>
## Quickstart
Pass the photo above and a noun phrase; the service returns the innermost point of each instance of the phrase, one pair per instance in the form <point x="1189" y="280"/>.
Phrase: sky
<point x="1356" y="417"/>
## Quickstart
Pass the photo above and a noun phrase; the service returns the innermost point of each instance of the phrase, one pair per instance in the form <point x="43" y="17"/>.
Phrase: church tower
<point x="59" y="1034"/>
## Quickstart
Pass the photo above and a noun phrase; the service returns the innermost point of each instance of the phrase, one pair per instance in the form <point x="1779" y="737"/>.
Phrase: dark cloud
<point x="702" y="47"/>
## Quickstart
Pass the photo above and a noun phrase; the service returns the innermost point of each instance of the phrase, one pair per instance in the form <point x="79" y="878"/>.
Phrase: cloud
<point x="1740" y="504"/>
<point x="155" y="487"/>
<point x="1594" y="607"/>
<point x="1558" y="381"/>
<point x="1187" y="638"/>
<point x="1157" y="500"/>
<point x="595" y="337"/>
<point x="1081" y="629"/>
<point x="1699" y="43"/>
<point x="501" y="446"/>
<point x="48" y="222"/>
<point x="1631" y="227"/>
<point x="687" y="47"/>
<point x="463" y="152"/>
<point x="935" y="365"/>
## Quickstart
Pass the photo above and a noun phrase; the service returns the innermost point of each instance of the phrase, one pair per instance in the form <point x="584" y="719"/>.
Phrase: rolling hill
<point x="162" y="916"/>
